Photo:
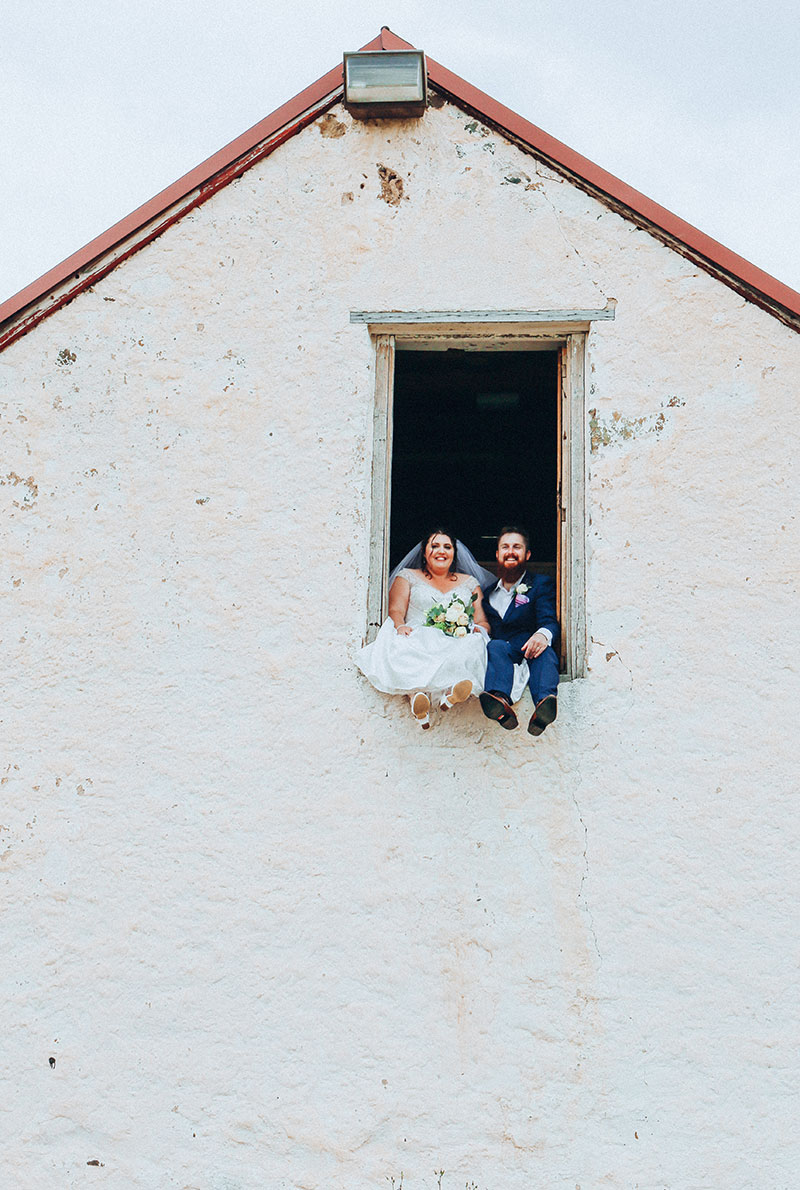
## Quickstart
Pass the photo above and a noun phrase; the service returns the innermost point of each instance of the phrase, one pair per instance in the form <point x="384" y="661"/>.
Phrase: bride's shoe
<point x="420" y="706"/>
<point x="460" y="693"/>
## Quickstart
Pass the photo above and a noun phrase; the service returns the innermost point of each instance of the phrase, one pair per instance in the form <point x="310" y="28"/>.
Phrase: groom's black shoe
<point x="496" y="706"/>
<point x="543" y="715"/>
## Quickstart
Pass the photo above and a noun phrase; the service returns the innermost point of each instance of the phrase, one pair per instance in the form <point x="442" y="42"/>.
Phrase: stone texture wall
<point x="259" y="930"/>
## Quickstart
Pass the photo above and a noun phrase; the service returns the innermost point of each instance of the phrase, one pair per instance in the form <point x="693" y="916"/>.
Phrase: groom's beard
<point x="510" y="574"/>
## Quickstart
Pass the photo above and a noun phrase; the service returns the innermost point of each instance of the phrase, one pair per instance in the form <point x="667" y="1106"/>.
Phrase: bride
<point x="411" y="657"/>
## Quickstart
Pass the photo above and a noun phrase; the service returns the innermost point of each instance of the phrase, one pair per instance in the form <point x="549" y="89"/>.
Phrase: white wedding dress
<point x="428" y="659"/>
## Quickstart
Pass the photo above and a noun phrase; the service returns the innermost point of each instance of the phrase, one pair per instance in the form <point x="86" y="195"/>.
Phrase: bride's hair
<point x="426" y="541"/>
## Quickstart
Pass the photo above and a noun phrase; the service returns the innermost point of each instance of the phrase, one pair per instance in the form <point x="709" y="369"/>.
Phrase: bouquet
<point x="453" y="618"/>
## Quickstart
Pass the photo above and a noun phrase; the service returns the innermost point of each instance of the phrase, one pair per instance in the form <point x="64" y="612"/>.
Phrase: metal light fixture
<point x="385" y="83"/>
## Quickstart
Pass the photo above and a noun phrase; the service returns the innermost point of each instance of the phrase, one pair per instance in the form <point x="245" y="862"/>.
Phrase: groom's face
<point x="512" y="553"/>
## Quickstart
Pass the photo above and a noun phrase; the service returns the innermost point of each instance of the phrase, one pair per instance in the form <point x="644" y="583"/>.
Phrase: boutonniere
<point x="520" y="595"/>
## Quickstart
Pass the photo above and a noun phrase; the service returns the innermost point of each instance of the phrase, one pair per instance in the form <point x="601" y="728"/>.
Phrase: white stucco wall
<point x="271" y="933"/>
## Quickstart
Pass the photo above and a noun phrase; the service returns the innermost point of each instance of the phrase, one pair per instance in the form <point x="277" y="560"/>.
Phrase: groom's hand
<point x="534" y="645"/>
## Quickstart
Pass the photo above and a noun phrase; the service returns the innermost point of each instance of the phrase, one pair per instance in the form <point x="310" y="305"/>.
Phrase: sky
<point x="696" y="104"/>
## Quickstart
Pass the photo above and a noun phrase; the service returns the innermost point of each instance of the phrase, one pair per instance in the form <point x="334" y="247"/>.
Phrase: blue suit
<point x="510" y="632"/>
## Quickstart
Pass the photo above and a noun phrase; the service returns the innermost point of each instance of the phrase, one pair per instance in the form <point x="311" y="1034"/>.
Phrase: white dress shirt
<point x="500" y="597"/>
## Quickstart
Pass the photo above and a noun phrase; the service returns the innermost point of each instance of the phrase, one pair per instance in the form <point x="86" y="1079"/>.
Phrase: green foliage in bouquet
<point x="454" y="618"/>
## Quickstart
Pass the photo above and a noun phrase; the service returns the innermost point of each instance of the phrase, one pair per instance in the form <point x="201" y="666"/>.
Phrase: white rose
<point x="452" y="614"/>
<point x="463" y="619"/>
<point x="522" y="588"/>
<point x="460" y="632"/>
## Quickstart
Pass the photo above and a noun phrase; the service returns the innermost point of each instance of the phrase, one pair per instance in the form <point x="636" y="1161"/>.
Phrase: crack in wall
<point x="581" y="900"/>
<point x="539" y="187"/>
<point x="515" y="176"/>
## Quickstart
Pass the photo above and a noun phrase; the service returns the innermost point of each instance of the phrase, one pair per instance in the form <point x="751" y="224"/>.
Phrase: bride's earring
<point x="420" y="706"/>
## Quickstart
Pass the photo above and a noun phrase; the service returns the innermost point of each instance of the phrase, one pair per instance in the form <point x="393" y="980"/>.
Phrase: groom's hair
<point x="523" y="533"/>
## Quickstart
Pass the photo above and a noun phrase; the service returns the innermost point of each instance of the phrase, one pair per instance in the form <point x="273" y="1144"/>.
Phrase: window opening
<point x="452" y="393"/>
<point x="475" y="444"/>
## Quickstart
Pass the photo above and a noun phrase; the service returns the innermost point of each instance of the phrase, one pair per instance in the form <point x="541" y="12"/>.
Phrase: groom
<point x="521" y="610"/>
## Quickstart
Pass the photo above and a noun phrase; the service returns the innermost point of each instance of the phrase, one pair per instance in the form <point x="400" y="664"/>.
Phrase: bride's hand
<point x="404" y="630"/>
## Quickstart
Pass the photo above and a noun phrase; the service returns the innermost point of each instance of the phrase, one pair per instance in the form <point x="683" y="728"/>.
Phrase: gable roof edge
<point x="55" y="288"/>
<point x="94" y="261"/>
<point x="735" y="271"/>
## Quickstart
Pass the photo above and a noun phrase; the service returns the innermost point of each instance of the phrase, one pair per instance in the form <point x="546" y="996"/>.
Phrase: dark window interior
<point x="475" y="447"/>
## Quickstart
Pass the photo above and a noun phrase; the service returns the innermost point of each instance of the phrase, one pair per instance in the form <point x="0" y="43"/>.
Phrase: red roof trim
<point x="289" y="118"/>
<point x="599" y="180"/>
<point x="200" y="183"/>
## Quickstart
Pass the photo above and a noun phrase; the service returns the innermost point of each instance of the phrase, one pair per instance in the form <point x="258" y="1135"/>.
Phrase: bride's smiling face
<point x="439" y="553"/>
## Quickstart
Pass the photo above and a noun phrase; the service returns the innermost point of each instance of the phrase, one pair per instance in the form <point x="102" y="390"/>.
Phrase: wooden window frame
<point x="564" y="330"/>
